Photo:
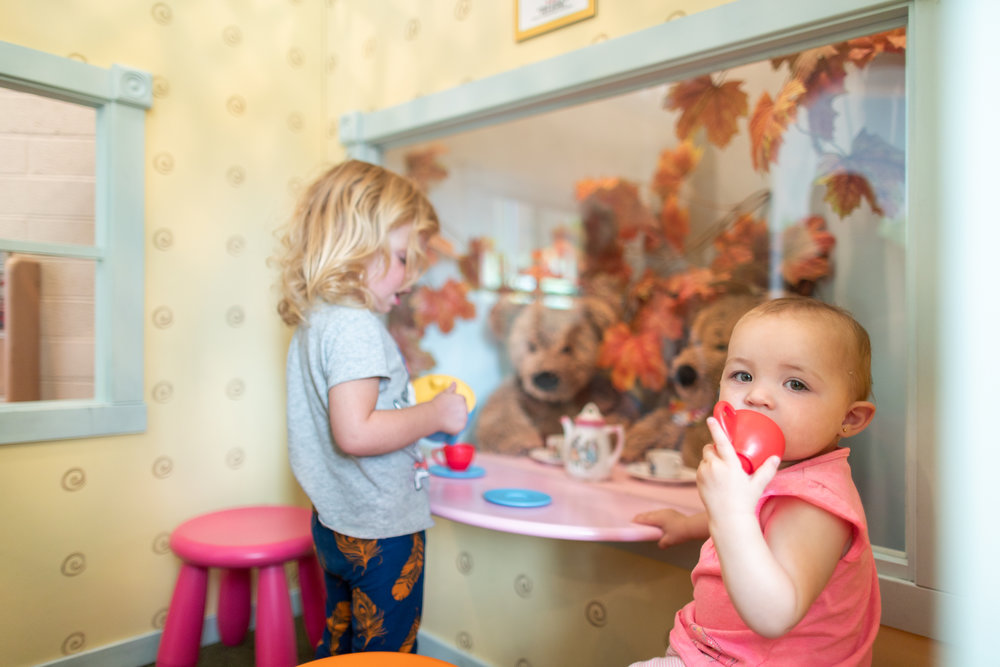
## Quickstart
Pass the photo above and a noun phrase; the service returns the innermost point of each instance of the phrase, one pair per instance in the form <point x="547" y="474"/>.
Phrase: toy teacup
<point x="755" y="437"/>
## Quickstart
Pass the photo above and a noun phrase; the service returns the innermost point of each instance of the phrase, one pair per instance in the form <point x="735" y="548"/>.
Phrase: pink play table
<point x="588" y="511"/>
<point x="236" y="541"/>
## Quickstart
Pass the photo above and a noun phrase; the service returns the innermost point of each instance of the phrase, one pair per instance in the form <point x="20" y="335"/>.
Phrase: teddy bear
<point x="679" y="422"/>
<point x="553" y="352"/>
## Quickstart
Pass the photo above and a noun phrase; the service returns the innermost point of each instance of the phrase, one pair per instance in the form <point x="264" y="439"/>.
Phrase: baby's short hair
<point x="859" y="344"/>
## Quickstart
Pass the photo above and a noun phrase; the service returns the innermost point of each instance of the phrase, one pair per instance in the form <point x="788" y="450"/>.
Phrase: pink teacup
<point x="755" y="437"/>
<point x="455" y="457"/>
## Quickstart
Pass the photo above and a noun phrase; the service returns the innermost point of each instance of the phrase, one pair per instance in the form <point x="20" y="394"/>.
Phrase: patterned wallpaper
<point x="246" y="101"/>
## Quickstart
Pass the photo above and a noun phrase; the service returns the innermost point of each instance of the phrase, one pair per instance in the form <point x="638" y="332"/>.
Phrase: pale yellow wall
<point x="245" y="110"/>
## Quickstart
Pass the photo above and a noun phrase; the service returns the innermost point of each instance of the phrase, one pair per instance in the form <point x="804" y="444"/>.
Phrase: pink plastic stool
<point x="237" y="540"/>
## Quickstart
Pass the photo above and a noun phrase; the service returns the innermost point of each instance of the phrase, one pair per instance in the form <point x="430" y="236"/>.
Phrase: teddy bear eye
<point x="566" y="349"/>
<point x="722" y="347"/>
<point x="531" y="346"/>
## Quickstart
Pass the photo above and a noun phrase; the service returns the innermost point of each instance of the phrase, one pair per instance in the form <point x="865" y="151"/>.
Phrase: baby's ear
<point x="858" y="417"/>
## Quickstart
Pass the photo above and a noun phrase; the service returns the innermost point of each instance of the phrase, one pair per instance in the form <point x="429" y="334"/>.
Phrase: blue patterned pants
<point x="374" y="591"/>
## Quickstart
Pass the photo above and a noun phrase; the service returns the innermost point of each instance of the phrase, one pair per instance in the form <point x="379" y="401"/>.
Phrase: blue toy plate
<point x="517" y="497"/>
<point x="469" y="473"/>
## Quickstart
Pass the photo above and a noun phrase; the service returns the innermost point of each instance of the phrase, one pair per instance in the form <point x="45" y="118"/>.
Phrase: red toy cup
<point x="755" y="437"/>
<point x="455" y="457"/>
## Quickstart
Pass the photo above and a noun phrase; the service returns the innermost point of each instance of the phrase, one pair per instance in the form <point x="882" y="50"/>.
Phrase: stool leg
<point x="181" y="637"/>
<point x="274" y="639"/>
<point x="311" y="591"/>
<point x="233" y="615"/>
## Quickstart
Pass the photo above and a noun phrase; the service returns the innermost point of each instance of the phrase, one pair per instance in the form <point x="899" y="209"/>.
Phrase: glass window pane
<point x="781" y="175"/>
<point x="47" y="169"/>
<point x="47" y="328"/>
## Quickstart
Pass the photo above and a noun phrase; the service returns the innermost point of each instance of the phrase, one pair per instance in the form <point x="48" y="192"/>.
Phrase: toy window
<point x="782" y="175"/>
<point x="71" y="235"/>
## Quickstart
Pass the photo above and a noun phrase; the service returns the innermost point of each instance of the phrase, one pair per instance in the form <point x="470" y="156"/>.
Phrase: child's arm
<point x="772" y="579"/>
<point x="676" y="527"/>
<point x="361" y="430"/>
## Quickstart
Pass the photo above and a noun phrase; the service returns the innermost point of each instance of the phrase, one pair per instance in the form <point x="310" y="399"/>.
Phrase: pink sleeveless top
<point x="842" y="622"/>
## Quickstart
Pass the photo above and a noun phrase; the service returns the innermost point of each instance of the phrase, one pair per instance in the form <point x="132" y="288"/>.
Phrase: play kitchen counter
<point x="580" y="510"/>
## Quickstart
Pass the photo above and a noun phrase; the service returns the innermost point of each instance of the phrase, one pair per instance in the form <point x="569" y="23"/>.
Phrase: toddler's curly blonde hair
<point x="340" y="223"/>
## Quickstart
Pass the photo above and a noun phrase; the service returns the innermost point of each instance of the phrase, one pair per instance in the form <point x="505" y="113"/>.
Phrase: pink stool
<point x="236" y="540"/>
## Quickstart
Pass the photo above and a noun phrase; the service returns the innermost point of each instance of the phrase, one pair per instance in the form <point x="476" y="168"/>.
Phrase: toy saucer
<point x="517" y="497"/>
<point x="641" y="470"/>
<point x="469" y="473"/>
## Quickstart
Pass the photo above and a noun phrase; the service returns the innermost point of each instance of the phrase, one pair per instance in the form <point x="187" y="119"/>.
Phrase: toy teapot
<point x="586" y="448"/>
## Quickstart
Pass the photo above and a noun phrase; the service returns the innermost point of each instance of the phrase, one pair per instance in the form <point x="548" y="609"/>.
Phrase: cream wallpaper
<point x="246" y="100"/>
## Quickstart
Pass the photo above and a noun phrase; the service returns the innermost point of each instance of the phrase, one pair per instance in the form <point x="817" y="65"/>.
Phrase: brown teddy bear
<point x="695" y="374"/>
<point x="554" y="357"/>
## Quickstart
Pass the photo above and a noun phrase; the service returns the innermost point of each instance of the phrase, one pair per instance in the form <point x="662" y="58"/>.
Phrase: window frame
<point x="726" y="36"/>
<point x="120" y="96"/>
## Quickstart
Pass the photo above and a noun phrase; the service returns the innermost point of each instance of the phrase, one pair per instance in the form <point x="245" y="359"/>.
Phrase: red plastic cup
<point x="755" y="437"/>
<point x="455" y="457"/>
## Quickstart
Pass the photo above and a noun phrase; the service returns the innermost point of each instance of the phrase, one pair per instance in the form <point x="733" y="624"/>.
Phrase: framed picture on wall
<point x="534" y="17"/>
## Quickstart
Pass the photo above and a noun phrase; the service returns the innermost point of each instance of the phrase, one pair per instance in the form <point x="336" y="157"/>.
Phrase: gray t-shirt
<point x="371" y="497"/>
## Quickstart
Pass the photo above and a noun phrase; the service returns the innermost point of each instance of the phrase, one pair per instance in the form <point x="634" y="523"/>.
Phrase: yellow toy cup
<point x="427" y="387"/>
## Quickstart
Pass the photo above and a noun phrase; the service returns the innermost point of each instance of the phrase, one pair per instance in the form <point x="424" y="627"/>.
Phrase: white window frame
<point x="120" y="96"/>
<point x="727" y="36"/>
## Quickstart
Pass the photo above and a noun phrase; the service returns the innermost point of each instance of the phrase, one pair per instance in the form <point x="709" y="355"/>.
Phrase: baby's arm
<point x="772" y="578"/>
<point x="676" y="527"/>
<point x="361" y="430"/>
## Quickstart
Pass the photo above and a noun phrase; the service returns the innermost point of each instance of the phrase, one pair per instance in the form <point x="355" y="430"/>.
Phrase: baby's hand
<point x="722" y="484"/>
<point x="676" y="527"/>
<point x="451" y="410"/>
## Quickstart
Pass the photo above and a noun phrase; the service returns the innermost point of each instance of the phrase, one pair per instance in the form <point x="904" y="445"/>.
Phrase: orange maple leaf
<point x="863" y="50"/>
<point x="674" y="166"/>
<point x="704" y="104"/>
<point x="845" y="190"/>
<point x="769" y="121"/>
<point x="418" y="360"/>
<point x="676" y="222"/>
<point x="631" y="357"/>
<point x="442" y="306"/>
<point x="660" y="316"/>
<point x="806" y="251"/>
<point x="696" y="283"/>
<point x="874" y="170"/>
<point x="423" y="168"/>
<point x="470" y="263"/>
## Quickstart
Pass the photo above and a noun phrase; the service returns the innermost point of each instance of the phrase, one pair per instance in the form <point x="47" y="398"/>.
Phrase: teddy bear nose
<point x="686" y="375"/>
<point x="545" y="380"/>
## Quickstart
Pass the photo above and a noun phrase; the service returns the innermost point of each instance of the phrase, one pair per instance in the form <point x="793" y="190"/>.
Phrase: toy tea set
<point x="590" y="447"/>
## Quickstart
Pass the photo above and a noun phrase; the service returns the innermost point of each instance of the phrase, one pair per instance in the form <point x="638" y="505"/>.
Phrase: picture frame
<point x="535" y="17"/>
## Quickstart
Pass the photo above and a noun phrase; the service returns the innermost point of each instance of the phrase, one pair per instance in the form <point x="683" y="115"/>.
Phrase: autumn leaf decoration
<point x="632" y="355"/>
<point x="704" y="103"/>
<point x="768" y="123"/>
<point x="442" y="306"/>
<point x="874" y="171"/>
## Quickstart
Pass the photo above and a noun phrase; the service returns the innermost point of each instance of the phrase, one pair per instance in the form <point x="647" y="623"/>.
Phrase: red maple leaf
<point x="442" y="306"/>
<point x="632" y="356"/>
<point x="704" y="104"/>
<point x="768" y="123"/>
